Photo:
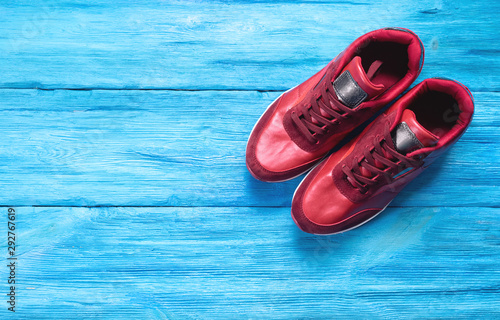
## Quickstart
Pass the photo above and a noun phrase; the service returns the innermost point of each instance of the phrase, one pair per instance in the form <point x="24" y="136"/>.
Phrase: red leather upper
<point x="275" y="152"/>
<point x="321" y="206"/>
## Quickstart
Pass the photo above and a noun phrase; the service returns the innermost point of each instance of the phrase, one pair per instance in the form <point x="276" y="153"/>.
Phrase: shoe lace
<point x="326" y="101"/>
<point x="392" y="162"/>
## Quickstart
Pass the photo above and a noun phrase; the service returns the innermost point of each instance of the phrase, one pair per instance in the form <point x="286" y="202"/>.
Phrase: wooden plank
<point x="192" y="263"/>
<point x="237" y="45"/>
<point x="141" y="148"/>
<point x="164" y="148"/>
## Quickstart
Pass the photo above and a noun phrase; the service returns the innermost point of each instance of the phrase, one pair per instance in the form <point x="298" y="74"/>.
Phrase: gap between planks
<point x="147" y="89"/>
<point x="178" y="89"/>
<point x="222" y="207"/>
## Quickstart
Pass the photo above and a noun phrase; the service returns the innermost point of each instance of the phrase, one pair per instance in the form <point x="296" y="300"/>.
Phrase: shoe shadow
<point x="369" y="246"/>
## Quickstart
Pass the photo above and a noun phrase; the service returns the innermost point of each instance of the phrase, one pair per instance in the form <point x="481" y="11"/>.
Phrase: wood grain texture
<point x="253" y="263"/>
<point x="163" y="95"/>
<point x="163" y="148"/>
<point x="229" y="45"/>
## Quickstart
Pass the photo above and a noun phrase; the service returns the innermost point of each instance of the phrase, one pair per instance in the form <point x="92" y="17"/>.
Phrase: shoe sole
<point x="328" y="234"/>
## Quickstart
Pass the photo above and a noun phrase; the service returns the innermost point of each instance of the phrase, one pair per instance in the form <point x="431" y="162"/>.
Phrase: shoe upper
<point x="358" y="181"/>
<point x="306" y="122"/>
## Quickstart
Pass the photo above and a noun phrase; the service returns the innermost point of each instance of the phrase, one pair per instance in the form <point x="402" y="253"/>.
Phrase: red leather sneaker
<point x="356" y="183"/>
<point x="306" y="122"/>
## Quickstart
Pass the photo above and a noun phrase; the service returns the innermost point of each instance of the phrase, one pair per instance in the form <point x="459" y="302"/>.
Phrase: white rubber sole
<point x="328" y="234"/>
<point x="359" y="225"/>
<point x="356" y="226"/>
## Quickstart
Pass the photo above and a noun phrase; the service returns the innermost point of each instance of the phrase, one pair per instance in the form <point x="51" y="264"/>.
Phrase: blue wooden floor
<point x="123" y="132"/>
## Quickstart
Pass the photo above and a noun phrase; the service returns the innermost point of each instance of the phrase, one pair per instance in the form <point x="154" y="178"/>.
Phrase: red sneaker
<point x="356" y="183"/>
<point x="306" y="122"/>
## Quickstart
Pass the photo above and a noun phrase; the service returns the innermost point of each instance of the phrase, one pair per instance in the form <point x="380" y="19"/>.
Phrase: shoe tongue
<point x="409" y="135"/>
<point x="353" y="85"/>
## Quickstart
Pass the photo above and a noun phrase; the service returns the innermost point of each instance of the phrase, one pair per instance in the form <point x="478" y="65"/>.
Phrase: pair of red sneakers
<point x="354" y="184"/>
